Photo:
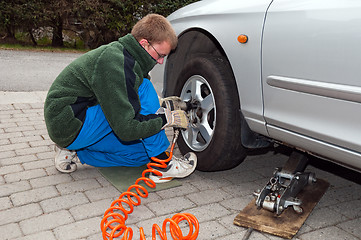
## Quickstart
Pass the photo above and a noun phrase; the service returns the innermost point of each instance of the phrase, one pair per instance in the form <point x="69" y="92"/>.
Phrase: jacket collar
<point x="145" y="60"/>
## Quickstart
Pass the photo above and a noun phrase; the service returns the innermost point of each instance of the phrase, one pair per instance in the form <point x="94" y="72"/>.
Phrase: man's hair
<point x="156" y="29"/>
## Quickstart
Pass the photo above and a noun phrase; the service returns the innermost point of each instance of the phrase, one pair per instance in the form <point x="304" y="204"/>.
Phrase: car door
<point x="311" y="74"/>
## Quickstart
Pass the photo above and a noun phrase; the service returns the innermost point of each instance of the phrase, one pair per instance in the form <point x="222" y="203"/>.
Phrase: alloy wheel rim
<point x="202" y="116"/>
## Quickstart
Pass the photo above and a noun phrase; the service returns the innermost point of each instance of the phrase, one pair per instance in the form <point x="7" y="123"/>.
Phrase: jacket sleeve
<point x="115" y="83"/>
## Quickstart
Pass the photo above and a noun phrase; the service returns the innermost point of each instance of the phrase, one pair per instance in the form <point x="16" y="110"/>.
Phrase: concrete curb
<point x="22" y="97"/>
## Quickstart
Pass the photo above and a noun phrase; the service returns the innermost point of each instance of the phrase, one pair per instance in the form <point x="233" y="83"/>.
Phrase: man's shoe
<point x="65" y="160"/>
<point x="177" y="168"/>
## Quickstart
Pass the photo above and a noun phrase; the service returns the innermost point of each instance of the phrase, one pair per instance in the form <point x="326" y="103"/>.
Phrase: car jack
<point x="271" y="212"/>
<point x="281" y="190"/>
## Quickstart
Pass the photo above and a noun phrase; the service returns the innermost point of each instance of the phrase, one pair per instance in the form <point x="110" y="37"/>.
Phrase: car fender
<point x="246" y="60"/>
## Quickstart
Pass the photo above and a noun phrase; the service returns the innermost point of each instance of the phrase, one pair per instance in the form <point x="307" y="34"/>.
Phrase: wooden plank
<point x="289" y="222"/>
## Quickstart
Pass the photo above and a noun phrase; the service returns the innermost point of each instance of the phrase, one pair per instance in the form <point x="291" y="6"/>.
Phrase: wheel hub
<point x="195" y="113"/>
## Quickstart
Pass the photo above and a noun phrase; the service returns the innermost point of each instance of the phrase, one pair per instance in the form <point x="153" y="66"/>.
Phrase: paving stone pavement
<point x="37" y="202"/>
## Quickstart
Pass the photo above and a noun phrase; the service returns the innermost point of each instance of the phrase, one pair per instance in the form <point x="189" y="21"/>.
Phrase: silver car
<point x="258" y="72"/>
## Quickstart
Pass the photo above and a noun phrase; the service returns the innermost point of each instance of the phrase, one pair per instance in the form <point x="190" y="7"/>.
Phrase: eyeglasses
<point x="160" y="56"/>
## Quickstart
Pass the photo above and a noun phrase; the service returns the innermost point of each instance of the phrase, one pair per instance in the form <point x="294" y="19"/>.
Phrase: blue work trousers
<point x="97" y="145"/>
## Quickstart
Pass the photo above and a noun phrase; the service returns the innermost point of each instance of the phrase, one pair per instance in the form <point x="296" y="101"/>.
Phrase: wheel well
<point x="190" y="43"/>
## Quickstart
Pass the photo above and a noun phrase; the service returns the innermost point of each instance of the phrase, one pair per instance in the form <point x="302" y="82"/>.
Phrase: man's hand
<point x="173" y="103"/>
<point x="176" y="118"/>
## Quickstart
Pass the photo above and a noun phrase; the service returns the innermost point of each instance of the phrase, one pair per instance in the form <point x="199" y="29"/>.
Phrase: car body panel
<point x="249" y="17"/>
<point x="311" y="72"/>
<point x="297" y="76"/>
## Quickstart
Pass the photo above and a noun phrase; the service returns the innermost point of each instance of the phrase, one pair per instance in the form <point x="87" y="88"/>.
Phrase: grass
<point x="44" y="44"/>
<point x="20" y="47"/>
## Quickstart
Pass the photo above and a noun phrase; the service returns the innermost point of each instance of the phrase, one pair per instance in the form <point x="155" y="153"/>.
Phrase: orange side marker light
<point x="242" y="38"/>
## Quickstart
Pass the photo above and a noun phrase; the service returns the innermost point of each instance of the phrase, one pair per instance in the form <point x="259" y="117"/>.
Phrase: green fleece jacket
<point x="110" y="76"/>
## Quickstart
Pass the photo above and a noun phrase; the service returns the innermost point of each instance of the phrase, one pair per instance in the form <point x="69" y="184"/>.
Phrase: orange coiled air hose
<point x="113" y="222"/>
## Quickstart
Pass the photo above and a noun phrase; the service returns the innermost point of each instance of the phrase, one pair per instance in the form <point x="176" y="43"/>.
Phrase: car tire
<point x="208" y="85"/>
